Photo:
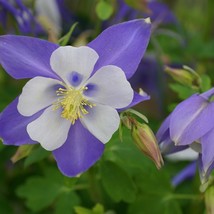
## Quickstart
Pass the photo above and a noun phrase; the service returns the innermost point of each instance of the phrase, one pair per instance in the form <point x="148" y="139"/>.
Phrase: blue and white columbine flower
<point x="70" y="106"/>
<point x="75" y="95"/>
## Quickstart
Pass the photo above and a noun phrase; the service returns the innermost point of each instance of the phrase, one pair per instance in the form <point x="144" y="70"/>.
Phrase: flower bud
<point x="22" y="152"/>
<point x="183" y="76"/>
<point x="127" y="121"/>
<point x="209" y="200"/>
<point x="145" y="140"/>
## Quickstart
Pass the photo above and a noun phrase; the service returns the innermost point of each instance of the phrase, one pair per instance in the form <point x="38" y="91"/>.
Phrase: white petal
<point x="68" y="59"/>
<point x="102" y="121"/>
<point x="187" y="154"/>
<point x="50" y="129"/>
<point x="37" y="94"/>
<point x="110" y="87"/>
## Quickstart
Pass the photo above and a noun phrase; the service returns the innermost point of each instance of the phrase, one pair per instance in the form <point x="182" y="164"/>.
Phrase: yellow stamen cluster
<point x="72" y="102"/>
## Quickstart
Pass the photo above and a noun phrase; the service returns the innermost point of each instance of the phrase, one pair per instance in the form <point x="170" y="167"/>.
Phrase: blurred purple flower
<point x="26" y="22"/>
<point x="191" y="124"/>
<point x="160" y="12"/>
<point x="125" y="12"/>
<point x="66" y="14"/>
<point x="148" y="77"/>
<point x="187" y="173"/>
<point x="80" y="127"/>
<point x="3" y="16"/>
<point x="157" y="11"/>
<point x="48" y="14"/>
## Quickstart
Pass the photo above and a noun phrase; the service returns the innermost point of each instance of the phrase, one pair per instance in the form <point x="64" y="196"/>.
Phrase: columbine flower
<point x="70" y="104"/>
<point x="157" y="11"/>
<point x="48" y="14"/>
<point x="191" y="124"/>
<point x="73" y="96"/>
<point x="23" y="16"/>
<point x="160" y="12"/>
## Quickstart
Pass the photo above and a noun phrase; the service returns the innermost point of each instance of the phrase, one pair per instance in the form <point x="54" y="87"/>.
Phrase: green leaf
<point x="148" y="181"/>
<point x="137" y="4"/>
<point x="128" y="157"/>
<point x="104" y="10"/>
<point x="136" y="164"/>
<point x="5" y="205"/>
<point x="182" y="91"/>
<point x="97" y="209"/>
<point x="70" y="182"/>
<point x="207" y="51"/>
<point x="118" y="152"/>
<point x="1" y="145"/>
<point x="82" y="210"/>
<point x="40" y="192"/>
<point x="172" y="106"/>
<point x="154" y="205"/>
<point x="66" y="203"/>
<point x="205" y="83"/>
<point x="172" y="205"/>
<point x="65" y="39"/>
<point x="36" y="155"/>
<point x="117" y="183"/>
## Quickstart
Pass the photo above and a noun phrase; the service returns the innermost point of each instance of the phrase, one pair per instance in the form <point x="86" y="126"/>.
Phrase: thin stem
<point x="81" y="187"/>
<point x="183" y="197"/>
<point x="93" y="189"/>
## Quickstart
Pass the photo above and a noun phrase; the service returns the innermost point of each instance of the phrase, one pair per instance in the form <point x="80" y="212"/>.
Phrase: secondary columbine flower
<point x="191" y="124"/>
<point x="23" y="16"/>
<point x="70" y="104"/>
<point x="48" y="14"/>
<point x="157" y="11"/>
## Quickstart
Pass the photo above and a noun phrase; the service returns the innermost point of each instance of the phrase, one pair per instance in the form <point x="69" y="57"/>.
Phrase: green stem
<point x="76" y="187"/>
<point x="208" y="31"/>
<point x="183" y="197"/>
<point x="94" y="189"/>
<point x="81" y="187"/>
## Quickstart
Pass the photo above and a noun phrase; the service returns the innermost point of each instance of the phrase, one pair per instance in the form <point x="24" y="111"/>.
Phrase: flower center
<point x="73" y="103"/>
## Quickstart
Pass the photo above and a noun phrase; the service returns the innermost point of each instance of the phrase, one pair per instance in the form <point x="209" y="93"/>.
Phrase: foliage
<point x="123" y="180"/>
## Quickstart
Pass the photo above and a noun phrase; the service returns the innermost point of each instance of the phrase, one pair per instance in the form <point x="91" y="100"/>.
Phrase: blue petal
<point x="187" y="173"/>
<point x="207" y="149"/>
<point x="80" y="151"/>
<point x="13" y="126"/>
<point x="166" y="144"/>
<point x="122" y="45"/>
<point x="204" y="175"/>
<point x="191" y="119"/>
<point x="26" y="57"/>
